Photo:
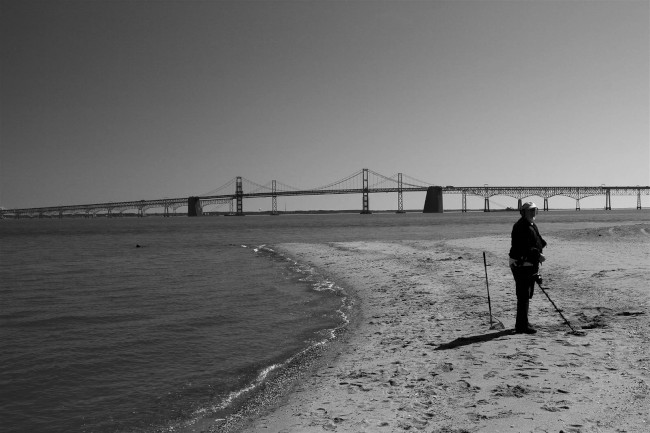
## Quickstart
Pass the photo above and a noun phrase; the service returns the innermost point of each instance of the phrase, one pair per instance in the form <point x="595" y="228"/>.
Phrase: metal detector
<point x="538" y="280"/>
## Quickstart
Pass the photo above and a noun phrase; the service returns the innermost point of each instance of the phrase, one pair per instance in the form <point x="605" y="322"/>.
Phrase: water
<point x="99" y="335"/>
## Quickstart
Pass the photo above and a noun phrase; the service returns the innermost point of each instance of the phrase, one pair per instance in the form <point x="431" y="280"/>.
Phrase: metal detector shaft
<point x="487" y="285"/>
<point x="557" y="309"/>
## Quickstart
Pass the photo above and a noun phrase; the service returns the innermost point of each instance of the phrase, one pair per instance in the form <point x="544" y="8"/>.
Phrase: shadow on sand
<point x="464" y="341"/>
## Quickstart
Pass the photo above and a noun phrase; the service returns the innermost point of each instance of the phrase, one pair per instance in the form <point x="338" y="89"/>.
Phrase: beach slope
<point x="427" y="356"/>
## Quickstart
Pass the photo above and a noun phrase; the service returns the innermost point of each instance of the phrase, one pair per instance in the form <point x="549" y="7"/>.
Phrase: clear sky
<point x="127" y="100"/>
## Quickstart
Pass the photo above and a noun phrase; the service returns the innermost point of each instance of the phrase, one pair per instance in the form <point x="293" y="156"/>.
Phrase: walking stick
<point x="498" y="325"/>
<point x="487" y="285"/>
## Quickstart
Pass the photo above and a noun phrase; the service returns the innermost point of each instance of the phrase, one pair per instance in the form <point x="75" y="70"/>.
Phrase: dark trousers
<point x="525" y="285"/>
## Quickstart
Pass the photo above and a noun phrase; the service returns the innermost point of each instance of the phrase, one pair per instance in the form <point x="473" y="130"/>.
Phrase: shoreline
<point x="424" y="358"/>
<point x="421" y="355"/>
<point x="282" y="382"/>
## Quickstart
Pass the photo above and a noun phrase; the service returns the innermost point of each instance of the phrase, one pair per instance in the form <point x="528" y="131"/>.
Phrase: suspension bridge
<point x="364" y="182"/>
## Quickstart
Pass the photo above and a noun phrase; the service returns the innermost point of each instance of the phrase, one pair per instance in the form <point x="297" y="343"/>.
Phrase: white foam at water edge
<point x="318" y="286"/>
<point x="261" y="247"/>
<point x="258" y="380"/>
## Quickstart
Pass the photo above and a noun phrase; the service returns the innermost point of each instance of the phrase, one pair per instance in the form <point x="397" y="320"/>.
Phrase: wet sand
<point x="426" y="356"/>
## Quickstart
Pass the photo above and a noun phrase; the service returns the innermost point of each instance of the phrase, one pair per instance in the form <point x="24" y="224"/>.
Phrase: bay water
<point x="145" y="324"/>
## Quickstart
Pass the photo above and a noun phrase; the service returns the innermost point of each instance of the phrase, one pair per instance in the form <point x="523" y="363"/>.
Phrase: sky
<point x="111" y="100"/>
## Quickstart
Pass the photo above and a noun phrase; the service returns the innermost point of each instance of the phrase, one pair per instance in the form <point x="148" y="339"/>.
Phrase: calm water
<point x="98" y="335"/>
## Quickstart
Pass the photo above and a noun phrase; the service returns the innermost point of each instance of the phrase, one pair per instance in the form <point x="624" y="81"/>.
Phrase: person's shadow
<point x="464" y="341"/>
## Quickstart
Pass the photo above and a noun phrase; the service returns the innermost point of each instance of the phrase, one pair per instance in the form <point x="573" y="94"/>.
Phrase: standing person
<point x="525" y="257"/>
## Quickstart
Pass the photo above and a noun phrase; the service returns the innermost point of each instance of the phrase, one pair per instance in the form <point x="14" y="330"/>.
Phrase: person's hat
<point x="528" y="205"/>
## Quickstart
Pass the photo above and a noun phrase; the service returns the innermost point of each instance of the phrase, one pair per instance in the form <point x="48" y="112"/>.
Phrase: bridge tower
<point x="400" y="200"/>
<point x="274" y="199"/>
<point x="239" y="194"/>
<point x="366" y="206"/>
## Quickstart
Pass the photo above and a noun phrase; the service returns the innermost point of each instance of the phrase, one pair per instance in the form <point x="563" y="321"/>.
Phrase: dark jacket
<point x="527" y="243"/>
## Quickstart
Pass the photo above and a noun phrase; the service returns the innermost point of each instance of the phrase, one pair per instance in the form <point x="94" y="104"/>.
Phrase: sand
<point x="425" y="355"/>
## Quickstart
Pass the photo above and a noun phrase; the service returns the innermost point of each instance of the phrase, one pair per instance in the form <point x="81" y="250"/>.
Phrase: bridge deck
<point x="518" y="192"/>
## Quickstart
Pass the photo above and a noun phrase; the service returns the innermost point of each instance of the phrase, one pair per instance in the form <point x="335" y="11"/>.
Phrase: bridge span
<point x="364" y="182"/>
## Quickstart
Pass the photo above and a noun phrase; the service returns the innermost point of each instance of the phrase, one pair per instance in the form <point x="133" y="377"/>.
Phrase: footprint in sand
<point x="510" y="391"/>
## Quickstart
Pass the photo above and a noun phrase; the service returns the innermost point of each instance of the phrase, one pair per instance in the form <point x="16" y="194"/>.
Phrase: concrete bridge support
<point x="433" y="201"/>
<point x="194" y="207"/>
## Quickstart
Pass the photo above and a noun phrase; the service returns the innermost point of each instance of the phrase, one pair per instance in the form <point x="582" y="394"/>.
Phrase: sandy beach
<point x="425" y="355"/>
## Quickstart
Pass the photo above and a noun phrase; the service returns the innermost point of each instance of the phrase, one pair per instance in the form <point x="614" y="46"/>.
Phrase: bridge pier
<point x="433" y="201"/>
<point x="638" y="199"/>
<point x="464" y="200"/>
<point x="545" y="203"/>
<point x="194" y="207"/>
<point x="486" y="205"/>
<point x="608" y="200"/>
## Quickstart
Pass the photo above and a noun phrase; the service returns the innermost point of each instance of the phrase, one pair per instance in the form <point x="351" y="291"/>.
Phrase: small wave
<point x="318" y="283"/>
<point x="238" y="393"/>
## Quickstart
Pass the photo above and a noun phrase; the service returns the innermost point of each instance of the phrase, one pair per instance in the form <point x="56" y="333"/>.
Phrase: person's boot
<point x="527" y="330"/>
